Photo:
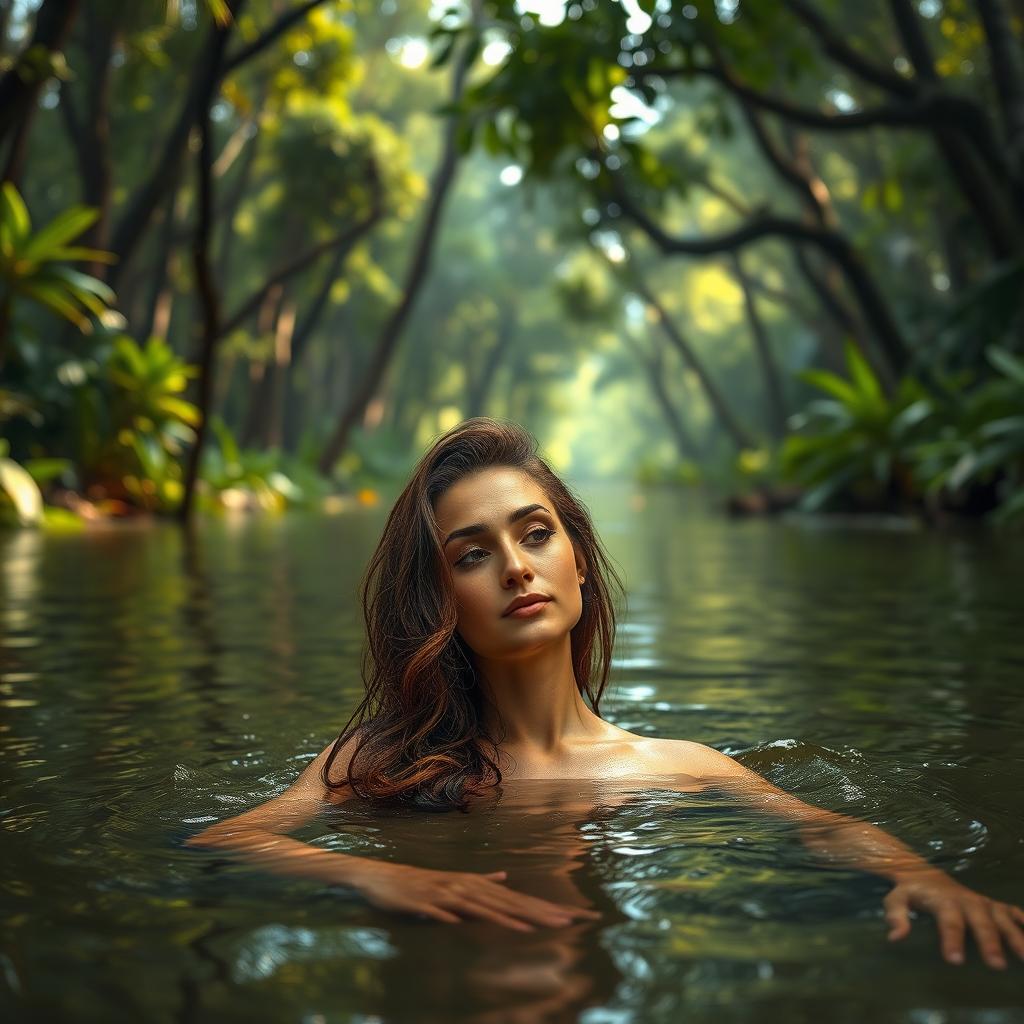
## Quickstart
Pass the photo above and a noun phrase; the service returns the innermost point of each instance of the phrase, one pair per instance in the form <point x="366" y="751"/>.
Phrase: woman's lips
<point x="528" y="610"/>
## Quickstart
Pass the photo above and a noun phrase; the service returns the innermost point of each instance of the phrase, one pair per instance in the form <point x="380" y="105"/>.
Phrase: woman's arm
<point x="259" y="837"/>
<point x="859" y="844"/>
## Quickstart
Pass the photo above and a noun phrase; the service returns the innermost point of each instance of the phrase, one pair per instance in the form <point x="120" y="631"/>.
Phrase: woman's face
<point x="502" y="541"/>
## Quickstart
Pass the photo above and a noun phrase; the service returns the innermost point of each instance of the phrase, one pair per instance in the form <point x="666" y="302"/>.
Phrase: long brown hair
<point x="418" y="731"/>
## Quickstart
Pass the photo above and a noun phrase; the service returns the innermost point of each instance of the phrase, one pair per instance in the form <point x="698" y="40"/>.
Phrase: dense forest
<point x="256" y="254"/>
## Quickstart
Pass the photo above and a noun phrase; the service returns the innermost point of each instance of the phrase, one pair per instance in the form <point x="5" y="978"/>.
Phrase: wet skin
<point x="503" y="540"/>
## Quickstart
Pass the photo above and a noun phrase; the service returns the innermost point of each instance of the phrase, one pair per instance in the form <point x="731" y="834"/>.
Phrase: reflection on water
<point x="150" y="684"/>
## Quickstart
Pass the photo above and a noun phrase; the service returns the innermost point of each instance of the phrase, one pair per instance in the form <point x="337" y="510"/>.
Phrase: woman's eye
<point x="539" y="534"/>
<point x="543" y="531"/>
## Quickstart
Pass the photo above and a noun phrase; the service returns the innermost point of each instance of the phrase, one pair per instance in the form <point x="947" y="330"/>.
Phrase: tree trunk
<point x="739" y="435"/>
<point x="146" y="198"/>
<point x="476" y="401"/>
<point x="686" y="447"/>
<point x="419" y="266"/>
<point x="157" y="320"/>
<point x="762" y="346"/>
<point x="19" y="87"/>
<point x="205" y="287"/>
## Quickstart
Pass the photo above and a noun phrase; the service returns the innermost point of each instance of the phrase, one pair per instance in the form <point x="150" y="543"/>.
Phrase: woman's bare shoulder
<point x="685" y="757"/>
<point x="338" y="763"/>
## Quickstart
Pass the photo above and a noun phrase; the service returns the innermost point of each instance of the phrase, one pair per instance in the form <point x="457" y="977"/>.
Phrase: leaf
<point x="862" y="375"/>
<point x="1006" y="362"/>
<point x="55" y="300"/>
<point x="228" y="444"/>
<point x="78" y="252"/>
<point x="831" y="384"/>
<point x="814" y="499"/>
<point x="22" y="490"/>
<point x="43" y="470"/>
<point x="179" y="409"/>
<point x="14" y="215"/>
<point x="1006" y="425"/>
<point x="61" y="230"/>
<point x="79" y="282"/>
<point x="444" y="51"/>
<point x="220" y="11"/>
<point x="911" y="416"/>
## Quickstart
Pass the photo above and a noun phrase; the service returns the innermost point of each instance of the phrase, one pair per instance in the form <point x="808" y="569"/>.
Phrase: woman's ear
<point x="581" y="562"/>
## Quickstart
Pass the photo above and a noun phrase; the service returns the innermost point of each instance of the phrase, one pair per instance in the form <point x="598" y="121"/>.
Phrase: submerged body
<point x="519" y="583"/>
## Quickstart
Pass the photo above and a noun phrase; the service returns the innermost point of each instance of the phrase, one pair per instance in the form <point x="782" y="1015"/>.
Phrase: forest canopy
<point x="254" y="253"/>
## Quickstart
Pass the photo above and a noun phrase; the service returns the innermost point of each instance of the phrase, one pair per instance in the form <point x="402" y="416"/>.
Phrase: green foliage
<point x="960" y="449"/>
<point x="859" y="443"/>
<point x="651" y="471"/>
<point x="130" y="423"/>
<point x="269" y="480"/>
<point x="21" y="502"/>
<point x="32" y="263"/>
<point x="979" y="442"/>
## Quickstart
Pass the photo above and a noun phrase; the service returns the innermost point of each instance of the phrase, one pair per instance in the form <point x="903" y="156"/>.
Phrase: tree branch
<point x="19" y="86"/>
<point x="147" y="197"/>
<point x="768" y="225"/>
<point x="261" y="42"/>
<point x="913" y="38"/>
<point x="842" y="53"/>
<point x="1004" y="50"/>
<point x="342" y="240"/>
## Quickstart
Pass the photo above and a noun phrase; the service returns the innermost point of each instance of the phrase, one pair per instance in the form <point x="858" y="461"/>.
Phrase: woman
<point x="490" y="626"/>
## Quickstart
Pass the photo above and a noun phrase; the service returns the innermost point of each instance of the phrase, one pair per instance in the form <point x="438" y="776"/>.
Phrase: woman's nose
<point x="517" y="570"/>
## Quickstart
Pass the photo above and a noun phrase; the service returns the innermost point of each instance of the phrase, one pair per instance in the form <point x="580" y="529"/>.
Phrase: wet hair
<point x="418" y="734"/>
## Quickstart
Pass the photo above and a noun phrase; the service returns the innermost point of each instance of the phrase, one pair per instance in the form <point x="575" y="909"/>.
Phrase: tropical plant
<point x="976" y="457"/>
<point x="32" y="264"/>
<point x="131" y="423"/>
<point x="257" y="479"/>
<point x="858" y="444"/>
<point x="21" y="502"/>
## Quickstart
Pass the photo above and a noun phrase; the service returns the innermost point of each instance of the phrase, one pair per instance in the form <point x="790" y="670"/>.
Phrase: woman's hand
<point x="452" y="896"/>
<point x="955" y="908"/>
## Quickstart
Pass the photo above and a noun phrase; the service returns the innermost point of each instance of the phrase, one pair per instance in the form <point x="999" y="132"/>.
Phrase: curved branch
<point x="141" y="206"/>
<point x="768" y="225"/>
<point x="930" y="109"/>
<point x="1007" y="67"/>
<point x="343" y="240"/>
<point x="913" y="38"/>
<point x="271" y="34"/>
<point x="842" y="53"/>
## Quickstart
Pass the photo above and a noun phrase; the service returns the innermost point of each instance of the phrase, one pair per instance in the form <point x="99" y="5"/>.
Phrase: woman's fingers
<point x="986" y="934"/>
<point x="1002" y="914"/>
<point x="542" y="914"/>
<point x="478" y="910"/>
<point x="518" y="902"/>
<point x="436" y="913"/>
<point x="897" y="914"/>
<point x="951" y="932"/>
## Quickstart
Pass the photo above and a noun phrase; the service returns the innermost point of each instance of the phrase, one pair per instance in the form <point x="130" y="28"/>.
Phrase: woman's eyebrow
<point x="467" y="531"/>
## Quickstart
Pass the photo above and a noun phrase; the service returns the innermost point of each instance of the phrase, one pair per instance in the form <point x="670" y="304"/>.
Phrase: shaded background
<point x="717" y="257"/>
<point x="771" y="249"/>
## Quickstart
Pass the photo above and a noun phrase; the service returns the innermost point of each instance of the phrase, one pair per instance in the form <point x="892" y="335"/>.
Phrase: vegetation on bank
<point x="775" y="249"/>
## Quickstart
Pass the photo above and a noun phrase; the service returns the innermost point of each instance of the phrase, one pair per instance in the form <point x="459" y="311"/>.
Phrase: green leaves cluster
<point x="132" y="423"/>
<point x="32" y="262"/>
<point x="863" y="448"/>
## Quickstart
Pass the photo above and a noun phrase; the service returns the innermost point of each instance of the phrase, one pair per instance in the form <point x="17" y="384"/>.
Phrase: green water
<point x="150" y="684"/>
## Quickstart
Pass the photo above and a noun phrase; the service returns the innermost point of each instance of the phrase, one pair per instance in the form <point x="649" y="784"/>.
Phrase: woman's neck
<point x="533" y="704"/>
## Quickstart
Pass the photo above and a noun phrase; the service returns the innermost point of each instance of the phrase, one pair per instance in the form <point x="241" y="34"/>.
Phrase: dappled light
<point x="749" y="272"/>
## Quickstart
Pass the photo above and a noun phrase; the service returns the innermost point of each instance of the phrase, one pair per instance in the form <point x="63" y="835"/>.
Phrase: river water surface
<point x="152" y="683"/>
